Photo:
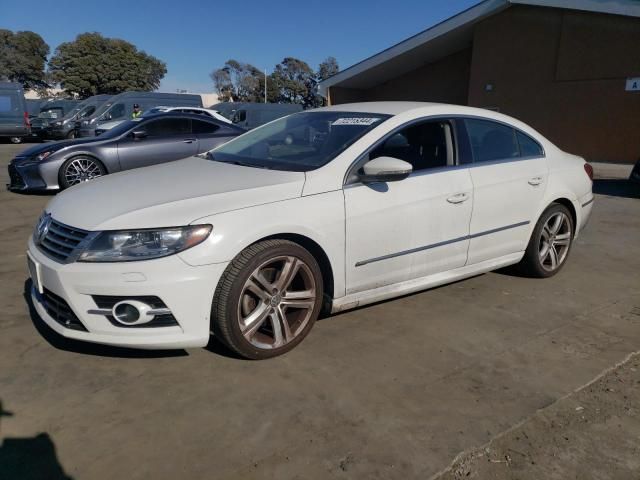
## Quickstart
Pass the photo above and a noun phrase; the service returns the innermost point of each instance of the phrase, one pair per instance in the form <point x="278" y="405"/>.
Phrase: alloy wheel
<point x="555" y="240"/>
<point x="81" y="170"/>
<point x="276" y="302"/>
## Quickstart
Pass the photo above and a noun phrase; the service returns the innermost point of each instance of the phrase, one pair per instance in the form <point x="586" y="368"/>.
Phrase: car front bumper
<point x="186" y="290"/>
<point x="26" y="178"/>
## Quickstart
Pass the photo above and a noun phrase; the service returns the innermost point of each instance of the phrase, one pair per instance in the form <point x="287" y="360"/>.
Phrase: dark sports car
<point x="148" y="140"/>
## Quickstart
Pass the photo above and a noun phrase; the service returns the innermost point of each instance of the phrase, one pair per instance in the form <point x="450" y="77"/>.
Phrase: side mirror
<point x="139" y="134"/>
<point x="385" y="169"/>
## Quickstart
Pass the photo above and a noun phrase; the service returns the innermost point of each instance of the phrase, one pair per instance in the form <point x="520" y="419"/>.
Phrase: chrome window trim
<point x="347" y="184"/>
<point x="516" y="129"/>
<point x="440" y="244"/>
<point x="354" y="164"/>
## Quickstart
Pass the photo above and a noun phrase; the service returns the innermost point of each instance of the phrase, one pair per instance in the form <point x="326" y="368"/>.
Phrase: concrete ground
<point x="395" y="390"/>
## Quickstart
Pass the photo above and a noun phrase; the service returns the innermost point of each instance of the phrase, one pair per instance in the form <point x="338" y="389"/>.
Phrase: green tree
<point x="295" y="81"/>
<point x="23" y="56"/>
<point x="93" y="64"/>
<point x="327" y="68"/>
<point x="238" y="82"/>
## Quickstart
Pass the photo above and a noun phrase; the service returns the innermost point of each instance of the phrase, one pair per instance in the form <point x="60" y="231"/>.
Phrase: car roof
<point x="193" y="116"/>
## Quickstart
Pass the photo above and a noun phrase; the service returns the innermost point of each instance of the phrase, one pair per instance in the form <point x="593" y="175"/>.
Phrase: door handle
<point x="458" y="198"/>
<point x="535" y="181"/>
<point x="189" y="140"/>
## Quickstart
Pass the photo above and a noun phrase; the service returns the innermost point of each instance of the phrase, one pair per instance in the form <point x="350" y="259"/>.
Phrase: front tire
<point x="80" y="169"/>
<point x="71" y="135"/>
<point x="268" y="299"/>
<point x="15" y="140"/>
<point x="550" y="243"/>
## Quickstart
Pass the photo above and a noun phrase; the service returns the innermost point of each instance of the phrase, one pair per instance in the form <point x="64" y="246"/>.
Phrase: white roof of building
<point x="450" y="36"/>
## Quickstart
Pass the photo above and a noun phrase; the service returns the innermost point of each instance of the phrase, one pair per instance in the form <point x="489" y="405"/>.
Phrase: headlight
<point x="43" y="155"/>
<point x="57" y="124"/>
<point x="129" y="245"/>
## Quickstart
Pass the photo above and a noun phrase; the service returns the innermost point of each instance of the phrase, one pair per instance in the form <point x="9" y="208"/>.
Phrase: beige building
<point x="569" y="68"/>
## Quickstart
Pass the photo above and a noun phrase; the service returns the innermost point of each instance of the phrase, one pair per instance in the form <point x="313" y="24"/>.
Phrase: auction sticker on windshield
<point x="355" y="121"/>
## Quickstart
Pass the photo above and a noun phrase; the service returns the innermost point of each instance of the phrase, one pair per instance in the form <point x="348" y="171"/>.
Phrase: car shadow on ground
<point x="36" y="193"/>
<point x="61" y="343"/>
<point x="29" y="458"/>
<point x="617" y="187"/>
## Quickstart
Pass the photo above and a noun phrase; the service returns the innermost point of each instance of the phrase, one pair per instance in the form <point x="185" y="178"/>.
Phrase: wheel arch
<point x="572" y="210"/>
<point x="318" y="253"/>
<point x="93" y="156"/>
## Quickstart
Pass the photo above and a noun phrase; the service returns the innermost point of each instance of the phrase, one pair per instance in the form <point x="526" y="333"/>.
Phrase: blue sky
<point x="195" y="37"/>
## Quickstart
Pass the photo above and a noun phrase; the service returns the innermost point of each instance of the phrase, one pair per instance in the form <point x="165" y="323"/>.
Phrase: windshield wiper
<point x="237" y="162"/>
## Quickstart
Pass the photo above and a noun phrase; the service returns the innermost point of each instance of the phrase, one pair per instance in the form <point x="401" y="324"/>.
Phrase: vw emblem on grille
<point x="43" y="227"/>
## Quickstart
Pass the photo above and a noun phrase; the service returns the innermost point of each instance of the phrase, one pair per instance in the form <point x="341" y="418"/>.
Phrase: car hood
<point x="43" y="147"/>
<point x="171" y="194"/>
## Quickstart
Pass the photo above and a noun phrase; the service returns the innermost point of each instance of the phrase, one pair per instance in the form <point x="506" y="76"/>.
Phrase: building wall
<point x="446" y="81"/>
<point x="564" y="73"/>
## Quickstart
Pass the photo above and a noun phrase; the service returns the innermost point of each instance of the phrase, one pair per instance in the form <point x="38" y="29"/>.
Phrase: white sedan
<point x="328" y="209"/>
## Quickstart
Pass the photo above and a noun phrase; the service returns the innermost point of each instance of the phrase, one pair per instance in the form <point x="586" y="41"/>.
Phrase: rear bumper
<point x="186" y="290"/>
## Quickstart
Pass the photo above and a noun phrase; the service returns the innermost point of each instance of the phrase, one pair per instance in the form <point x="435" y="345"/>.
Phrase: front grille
<point x="60" y="241"/>
<point x="108" y="301"/>
<point x="15" y="179"/>
<point x="60" y="311"/>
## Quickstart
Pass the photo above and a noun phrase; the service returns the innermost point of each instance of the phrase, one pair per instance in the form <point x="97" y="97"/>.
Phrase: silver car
<point x="148" y="140"/>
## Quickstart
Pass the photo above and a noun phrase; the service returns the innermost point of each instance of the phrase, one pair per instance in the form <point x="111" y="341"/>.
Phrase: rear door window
<point x="168" y="127"/>
<point x="203" y="127"/>
<point x="491" y="141"/>
<point x="528" y="146"/>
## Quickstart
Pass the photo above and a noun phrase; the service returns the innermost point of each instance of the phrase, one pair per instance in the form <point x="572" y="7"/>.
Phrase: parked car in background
<point x="120" y="107"/>
<point x="252" y="115"/>
<point x="50" y="111"/>
<point x="103" y="127"/>
<point x="337" y="207"/>
<point x="147" y="140"/>
<point x="65" y="127"/>
<point x="14" y="116"/>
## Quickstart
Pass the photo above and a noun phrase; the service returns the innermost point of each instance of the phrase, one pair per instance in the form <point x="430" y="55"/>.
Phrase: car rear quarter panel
<point x="568" y="179"/>
<point x="318" y="217"/>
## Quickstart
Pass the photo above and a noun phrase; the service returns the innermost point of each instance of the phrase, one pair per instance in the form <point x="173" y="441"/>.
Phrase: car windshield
<point x="54" y="112"/>
<point x="300" y="142"/>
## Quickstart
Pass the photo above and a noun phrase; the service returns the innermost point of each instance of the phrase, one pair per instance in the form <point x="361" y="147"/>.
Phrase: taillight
<point x="26" y="119"/>
<point x="589" y="169"/>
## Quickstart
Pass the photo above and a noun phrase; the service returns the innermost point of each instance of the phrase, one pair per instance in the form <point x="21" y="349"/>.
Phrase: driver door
<point x="163" y="140"/>
<point x="412" y="228"/>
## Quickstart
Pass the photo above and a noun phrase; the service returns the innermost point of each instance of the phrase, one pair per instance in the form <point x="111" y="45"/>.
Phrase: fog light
<point x="130" y="312"/>
<point x="126" y="313"/>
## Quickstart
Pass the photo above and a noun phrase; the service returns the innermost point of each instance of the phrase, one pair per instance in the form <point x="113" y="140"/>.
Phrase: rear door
<point x="166" y="139"/>
<point x="509" y="174"/>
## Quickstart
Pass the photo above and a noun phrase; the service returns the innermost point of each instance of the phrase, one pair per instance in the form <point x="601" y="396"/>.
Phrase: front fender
<point x="317" y="217"/>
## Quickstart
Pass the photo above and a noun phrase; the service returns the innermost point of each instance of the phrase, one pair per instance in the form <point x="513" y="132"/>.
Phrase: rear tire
<point x="550" y="243"/>
<point x="15" y="140"/>
<point x="80" y="169"/>
<point x="71" y="135"/>
<point x="267" y="300"/>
